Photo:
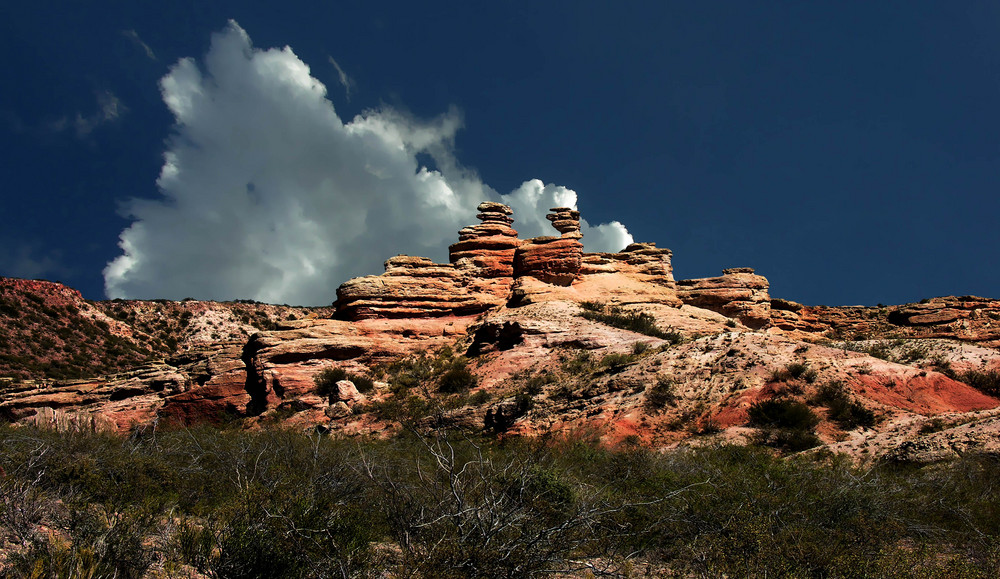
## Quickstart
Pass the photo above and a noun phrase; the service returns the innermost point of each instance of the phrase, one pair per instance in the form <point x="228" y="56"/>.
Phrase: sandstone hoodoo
<point x="487" y="249"/>
<point x="554" y="260"/>
<point x="566" y="221"/>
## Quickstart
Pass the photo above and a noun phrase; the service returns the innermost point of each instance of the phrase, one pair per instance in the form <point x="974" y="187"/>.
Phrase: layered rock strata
<point x="966" y="318"/>
<point x="644" y="261"/>
<point x="487" y="249"/>
<point x="477" y="278"/>
<point x="554" y="260"/>
<point x="738" y="293"/>
<point x="197" y="386"/>
<point x="414" y="287"/>
<point x="639" y="274"/>
<point x="489" y="266"/>
<point x="566" y="221"/>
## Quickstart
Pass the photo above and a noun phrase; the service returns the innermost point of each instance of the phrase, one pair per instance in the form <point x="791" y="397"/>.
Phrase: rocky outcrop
<point x="967" y="318"/>
<point x="49" y="332"/>
<point x="282" y="365"/>
<point x="639" y="274"/>
<point x="490" y="266"/>
<point x="566" y="221"/>
<point x="487" y="250"/>
<point x="553" y="260"/>
<point x="738" y="293"/>
<point x="412" y="287"/>
<point x="194" y="387"/>
<point x="665" y="359"/>
<point x="642" y="261"/>
<point x="478" y="278"/>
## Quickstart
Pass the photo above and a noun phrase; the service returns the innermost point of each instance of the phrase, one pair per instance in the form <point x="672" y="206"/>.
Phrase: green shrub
<point x="986" y="381"/>
<point x="457" y="378"/>
<point x="933" y="425"/>
<point x="794" y="371"/>
<point x="479" y="397"/>
<point x="616" y="361"/>
<point x="661" y="394"/>
<point x="788" y="439"/>
<point x="784" y="423"/>
<point x="277" y="503"/>
<point x="639" y="322"/>
<point x="797" y="369"/>
<point x="420" y="370"/>
<point x="847" y="413"/>
<point x="581" y="363"/>
<point x="535" y="384"/>
<point x="782" y="413"/>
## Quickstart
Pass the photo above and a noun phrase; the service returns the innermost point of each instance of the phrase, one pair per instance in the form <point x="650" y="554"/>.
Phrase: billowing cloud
<point x="268" y="194"/>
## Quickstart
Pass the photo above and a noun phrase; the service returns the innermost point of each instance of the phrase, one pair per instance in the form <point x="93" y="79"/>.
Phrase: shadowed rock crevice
<point x="491" y="337"/>
<point x="256" y="382"/>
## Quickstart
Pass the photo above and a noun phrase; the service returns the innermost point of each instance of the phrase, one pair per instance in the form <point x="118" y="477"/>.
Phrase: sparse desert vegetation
<point x="276" y="503"/>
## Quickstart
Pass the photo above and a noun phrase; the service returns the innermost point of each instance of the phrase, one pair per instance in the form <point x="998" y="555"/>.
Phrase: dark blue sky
<point x="849" y="151"/>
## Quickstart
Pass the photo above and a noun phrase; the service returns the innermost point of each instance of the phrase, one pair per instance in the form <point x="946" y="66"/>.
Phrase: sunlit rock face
<point x="738" y="293"/>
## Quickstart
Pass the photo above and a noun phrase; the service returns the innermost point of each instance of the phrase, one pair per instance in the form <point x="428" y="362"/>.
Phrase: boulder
<point x="338" y="410"/>
<point x="348" y="393"/>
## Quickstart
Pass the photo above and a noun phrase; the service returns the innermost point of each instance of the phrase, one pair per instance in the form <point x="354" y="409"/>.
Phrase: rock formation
<point x="966" y="318"/>
<point x="738" y="293"/>
<point x="487" y="249"/>
<point x="554" y="260"/>
<point x="412" y="287"/>
<point x="566" y="221"/>
<point x="478" y="278"/>
<point x="543" y="363"/>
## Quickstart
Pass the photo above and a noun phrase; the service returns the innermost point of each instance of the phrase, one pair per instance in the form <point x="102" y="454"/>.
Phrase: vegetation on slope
<point x="617" y="317"/>
<point x="49" y="332"/>
<point x="283" y="504"/>
<point x="42" y="340"/>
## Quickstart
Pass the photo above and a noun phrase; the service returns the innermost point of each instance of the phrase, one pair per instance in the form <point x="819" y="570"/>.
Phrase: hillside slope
<point x="523" y="337"/>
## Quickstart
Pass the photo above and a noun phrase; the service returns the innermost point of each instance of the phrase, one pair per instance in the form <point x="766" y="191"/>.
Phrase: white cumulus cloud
<point x="266" y="193"/>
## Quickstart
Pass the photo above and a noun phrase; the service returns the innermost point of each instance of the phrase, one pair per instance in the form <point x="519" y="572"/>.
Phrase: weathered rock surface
<point x="566" y="221"/>
<point x="477" y="278"/>
<point x="738" y="293"/>
<point x="348" y="393"/>
<point x="967" y="318"/>
<point x="486" y="250"/>
<point x="282" y="365"/>
<point x="411" y="287"/>
<point x="194" y="387"/>
<point x="553" y="260"/>
<point x="516" y="308"/>
<point x="639" y="274"/>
